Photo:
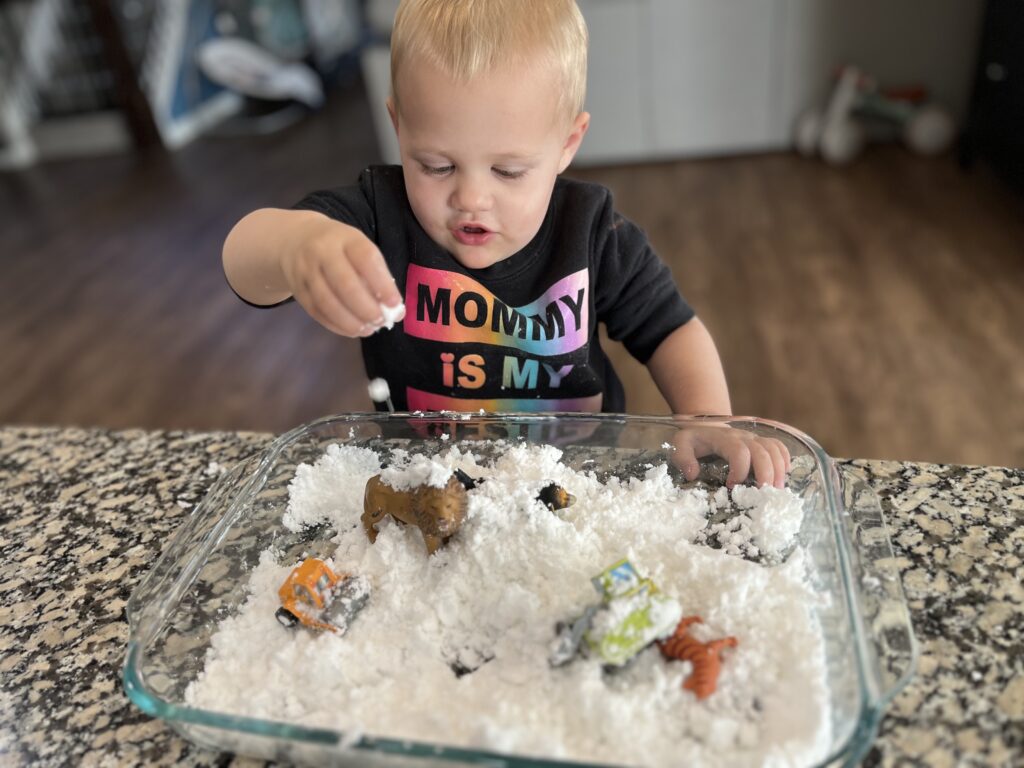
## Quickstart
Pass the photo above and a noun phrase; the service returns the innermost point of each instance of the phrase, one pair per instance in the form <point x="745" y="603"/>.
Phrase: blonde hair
<point x="464" y="38"/>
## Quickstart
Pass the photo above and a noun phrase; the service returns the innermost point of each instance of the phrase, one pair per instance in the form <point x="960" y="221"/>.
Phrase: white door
<point x="618" y="80"/>
<point x="715" y="74"/>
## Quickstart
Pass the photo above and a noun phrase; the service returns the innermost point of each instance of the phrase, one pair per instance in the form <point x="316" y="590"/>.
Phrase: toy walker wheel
<point x="286" y="618"/>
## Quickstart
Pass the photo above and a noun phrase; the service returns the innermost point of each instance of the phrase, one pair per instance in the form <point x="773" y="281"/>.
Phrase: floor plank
<point x="879" y="308"/>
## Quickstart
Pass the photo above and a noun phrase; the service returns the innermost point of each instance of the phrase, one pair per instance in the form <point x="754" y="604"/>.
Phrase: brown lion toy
<point x="437" y="512"/>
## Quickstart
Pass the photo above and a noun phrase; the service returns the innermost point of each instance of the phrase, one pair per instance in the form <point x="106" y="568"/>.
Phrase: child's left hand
<point x="744" y="450"/>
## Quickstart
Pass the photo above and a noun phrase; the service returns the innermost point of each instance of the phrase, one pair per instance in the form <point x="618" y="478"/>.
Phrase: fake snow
<point x="452" y="649"/>
<point x="770" y="524"/>
<point x="392" y="315"/>
<point x="407" y="471"/>
<point x="379" y="390"/>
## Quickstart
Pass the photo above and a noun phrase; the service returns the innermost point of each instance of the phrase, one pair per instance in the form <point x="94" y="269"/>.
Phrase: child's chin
<point x="472" y="258"/>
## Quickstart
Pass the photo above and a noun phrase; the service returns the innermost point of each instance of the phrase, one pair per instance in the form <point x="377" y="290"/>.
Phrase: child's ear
<point x="393" y="113"/>
<point x="572" y="144"/>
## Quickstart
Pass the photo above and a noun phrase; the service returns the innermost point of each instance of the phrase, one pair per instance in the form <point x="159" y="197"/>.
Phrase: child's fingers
<point x="348" y="288"/>
<point x="766" y="457"/>
<point x="738" y="455"/>
<point x="763" y="462"/>
<point x="324" y="307"/>
<point x="685" y="457"/>
<point x="780" y="460"/>
<point x="783" y="452"/>
<point x="368" y="261"/>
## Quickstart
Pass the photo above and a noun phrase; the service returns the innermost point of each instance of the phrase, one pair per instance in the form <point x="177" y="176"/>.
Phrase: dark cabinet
<point x="995" y="124"/>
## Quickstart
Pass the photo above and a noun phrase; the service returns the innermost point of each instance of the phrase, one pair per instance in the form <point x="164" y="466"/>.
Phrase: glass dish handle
<point x="889" y="633"/>
<point x="147" y="596"/>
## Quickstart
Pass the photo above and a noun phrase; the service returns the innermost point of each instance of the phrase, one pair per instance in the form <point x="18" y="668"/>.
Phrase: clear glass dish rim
<point x="872" y="700"/>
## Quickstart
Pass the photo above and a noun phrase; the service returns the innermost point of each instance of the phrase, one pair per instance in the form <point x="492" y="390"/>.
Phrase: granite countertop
<point x="85" y="513"/>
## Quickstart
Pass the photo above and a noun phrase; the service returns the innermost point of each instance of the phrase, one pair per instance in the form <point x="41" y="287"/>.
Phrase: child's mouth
<point x="472" y="235"/>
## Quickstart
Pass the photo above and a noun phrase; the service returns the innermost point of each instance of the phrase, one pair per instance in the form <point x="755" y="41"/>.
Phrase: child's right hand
<point x="767" y="457"/>
<point x="338" y="275"/>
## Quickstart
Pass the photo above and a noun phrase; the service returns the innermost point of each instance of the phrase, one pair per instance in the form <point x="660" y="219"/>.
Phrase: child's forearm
<point x="253" y="249"/>
<point x="688" y="371"/>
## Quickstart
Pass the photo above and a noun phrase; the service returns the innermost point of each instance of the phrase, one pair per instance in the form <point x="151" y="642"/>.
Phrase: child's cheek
<point x="426" y="204"/>
<point x="533" y="210"/>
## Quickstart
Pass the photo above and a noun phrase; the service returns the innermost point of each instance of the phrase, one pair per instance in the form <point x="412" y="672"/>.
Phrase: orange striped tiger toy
<point x="705" y="657"/>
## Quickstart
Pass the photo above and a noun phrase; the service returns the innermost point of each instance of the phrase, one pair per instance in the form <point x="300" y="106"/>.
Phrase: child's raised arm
<point x="333" y="270"/>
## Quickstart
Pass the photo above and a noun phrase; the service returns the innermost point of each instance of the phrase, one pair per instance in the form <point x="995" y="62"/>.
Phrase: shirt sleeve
<point x="635" y="294"/>
<point x="352" y="205"/>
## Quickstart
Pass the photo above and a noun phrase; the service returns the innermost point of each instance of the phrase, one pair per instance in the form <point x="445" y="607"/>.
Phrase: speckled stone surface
<point x="84" y="513"/>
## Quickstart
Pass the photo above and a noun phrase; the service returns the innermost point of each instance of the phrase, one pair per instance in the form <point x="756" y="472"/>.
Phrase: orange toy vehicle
<point x="319" y="598"/>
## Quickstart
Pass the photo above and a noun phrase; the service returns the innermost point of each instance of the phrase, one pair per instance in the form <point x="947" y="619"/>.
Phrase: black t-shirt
<point x="520" y="335"/>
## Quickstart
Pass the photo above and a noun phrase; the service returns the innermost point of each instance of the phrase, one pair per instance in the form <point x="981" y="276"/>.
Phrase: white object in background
<point x="39" y="36"/>
<point x="246" y="68"/>
<point x="930" y="131"/>
<point x="333" y="28"/>
<point x="842" y="142"/>
<point x="841" y="137"/>
<point x="833" y="133"/>
<point x="808" y="132"/>
<point x="376" y="64"/>
<point x="25" y="137"/>
<point x="17" y="150"/>
<point x="169" y="71"/>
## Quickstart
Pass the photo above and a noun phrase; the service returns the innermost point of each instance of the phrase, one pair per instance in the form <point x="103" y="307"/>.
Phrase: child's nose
<point x="471" y="195"/>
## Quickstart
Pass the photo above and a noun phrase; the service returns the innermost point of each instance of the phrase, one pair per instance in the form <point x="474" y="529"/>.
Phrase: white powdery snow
<point x="379" y="390"/>
<point x="775" y="520"/>
<point x="490" y="600"/>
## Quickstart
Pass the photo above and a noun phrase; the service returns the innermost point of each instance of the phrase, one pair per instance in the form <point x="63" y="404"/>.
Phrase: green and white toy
<point x="632" y="614"/>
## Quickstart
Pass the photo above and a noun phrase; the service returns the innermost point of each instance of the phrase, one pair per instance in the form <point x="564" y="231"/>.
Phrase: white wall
<point x="676" y="78"/>
<point x="725" y="76"/>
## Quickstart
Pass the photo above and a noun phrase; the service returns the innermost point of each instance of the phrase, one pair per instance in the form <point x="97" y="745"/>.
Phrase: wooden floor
<point x="878" y="308"/>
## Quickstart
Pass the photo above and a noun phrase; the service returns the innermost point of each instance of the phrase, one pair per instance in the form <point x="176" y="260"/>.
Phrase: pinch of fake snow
<point x="379" y="390"/>
<point x="410" y="471"/>
<point x="392" y="315"/>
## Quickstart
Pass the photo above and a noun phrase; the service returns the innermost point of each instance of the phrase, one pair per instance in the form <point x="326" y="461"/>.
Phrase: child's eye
<point x="507" y="174"/>
<point x="437" y="170"/>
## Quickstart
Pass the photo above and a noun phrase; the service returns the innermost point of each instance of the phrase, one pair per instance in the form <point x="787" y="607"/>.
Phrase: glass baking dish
<point x="870" y="649"/>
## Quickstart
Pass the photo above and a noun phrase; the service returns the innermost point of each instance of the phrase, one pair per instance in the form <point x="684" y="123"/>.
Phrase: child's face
<point x="480" y="158"/>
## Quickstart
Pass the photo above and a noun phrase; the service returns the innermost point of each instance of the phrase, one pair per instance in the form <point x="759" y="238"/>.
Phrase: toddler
<point x="474" y="274"/>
